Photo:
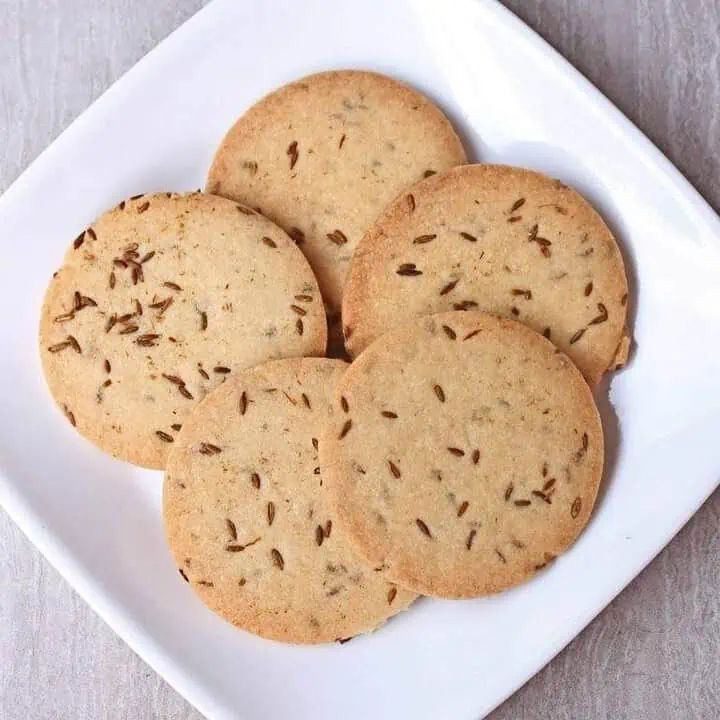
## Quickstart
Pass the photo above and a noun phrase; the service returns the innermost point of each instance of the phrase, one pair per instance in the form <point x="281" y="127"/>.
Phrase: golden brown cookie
<point x="323" y="156"/>
<point x="246" y="516"/>
<point x="465" y="453"/>
<point x="157" y="303"/>
<point x="499" y="239"/>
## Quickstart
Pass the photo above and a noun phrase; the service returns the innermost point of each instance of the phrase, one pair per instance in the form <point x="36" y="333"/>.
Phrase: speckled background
<point x="654" y="654"/>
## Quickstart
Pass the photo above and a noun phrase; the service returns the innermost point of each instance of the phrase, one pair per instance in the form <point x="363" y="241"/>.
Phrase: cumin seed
<point x="231" y="528"/>
<point x="297" y="235"/>
<point x="423" y="239"/>
<point x="292" y="152"/>
<point x="542" y="496"/>
<point x="449" y="287"/>
<point x="345" y="429"/>
<point x="449" y="332"/>
<point x="277" y="559"/>
<point x="337" y="237"/>
<point x="174" y="379"/>
<point x="470" y="538"/>
<point x="147" y="340"/>
<point x="408" y="270"/>
<point x="424" y="529"/>
<point x="602" y="317"/>
<point x="70" y="415"/>
<point x="519" y="292"/>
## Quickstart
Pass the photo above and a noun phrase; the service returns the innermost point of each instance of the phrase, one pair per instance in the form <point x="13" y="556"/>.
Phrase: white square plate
<point x="514" y="100"/>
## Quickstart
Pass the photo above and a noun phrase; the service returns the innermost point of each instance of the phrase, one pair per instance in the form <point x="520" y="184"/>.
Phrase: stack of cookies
<point x="307" y="499"/>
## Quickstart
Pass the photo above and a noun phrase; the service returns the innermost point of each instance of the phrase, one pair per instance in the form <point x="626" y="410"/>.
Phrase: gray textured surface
<point x="654" y="654"/>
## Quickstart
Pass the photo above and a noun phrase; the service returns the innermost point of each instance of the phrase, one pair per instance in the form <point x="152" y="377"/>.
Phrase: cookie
<point x="246" y="515"/>
<point x="157" y="303"/>
<point x="465" y="453"/>
<point x="499" y="239"/>
<point x="324" y="155"/>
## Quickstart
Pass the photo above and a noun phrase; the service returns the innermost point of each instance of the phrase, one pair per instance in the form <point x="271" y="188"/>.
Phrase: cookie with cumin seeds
<point x="246" y="514"/>
<point x="464" y="455"/>
<point x="157" y="303"/>
<point x="322" y="156"/>
<point x="499" y="239"/>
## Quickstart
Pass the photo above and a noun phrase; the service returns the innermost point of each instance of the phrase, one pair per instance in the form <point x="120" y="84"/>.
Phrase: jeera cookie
<point x="324" y="155"/>
<point x="499" y="239"/>
<point x="161" y="300"/>
<point x="464" y="454"/>
<point x="246" y="514"/>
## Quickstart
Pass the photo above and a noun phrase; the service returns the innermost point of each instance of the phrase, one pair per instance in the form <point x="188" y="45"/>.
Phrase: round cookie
<point x="157" y="303"/>
<point x="465" y="454"/>
<point x="499" y="239"/>
<point x="324" y="155"/>
<point x="246" y="515"/>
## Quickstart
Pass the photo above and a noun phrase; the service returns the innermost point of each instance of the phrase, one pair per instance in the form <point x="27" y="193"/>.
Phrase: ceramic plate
<point x="514" y="100"/>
